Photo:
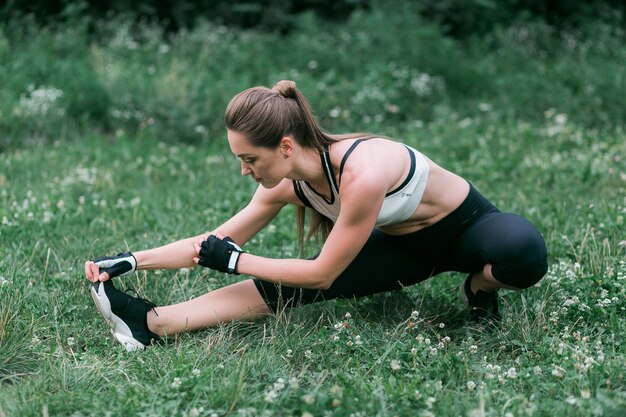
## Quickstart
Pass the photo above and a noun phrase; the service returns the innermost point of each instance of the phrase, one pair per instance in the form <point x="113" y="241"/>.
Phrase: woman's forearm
<point x="174" y="255"/>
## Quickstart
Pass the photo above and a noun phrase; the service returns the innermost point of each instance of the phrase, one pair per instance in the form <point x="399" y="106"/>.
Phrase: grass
<point x="74" y="185"/>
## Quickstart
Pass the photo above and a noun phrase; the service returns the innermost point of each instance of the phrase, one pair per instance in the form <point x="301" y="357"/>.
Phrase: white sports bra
<point x="399" y="204"/>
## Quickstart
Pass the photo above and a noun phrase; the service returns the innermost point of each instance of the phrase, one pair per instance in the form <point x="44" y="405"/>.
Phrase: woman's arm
<point x="361" y="198"/>
<point x="263" y="207"/>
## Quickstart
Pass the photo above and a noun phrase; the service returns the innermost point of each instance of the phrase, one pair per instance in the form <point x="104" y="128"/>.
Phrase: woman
<point x="390" y="216"/>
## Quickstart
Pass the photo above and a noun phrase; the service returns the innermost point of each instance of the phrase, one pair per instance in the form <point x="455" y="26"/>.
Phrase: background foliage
<point x="111" y="137"/>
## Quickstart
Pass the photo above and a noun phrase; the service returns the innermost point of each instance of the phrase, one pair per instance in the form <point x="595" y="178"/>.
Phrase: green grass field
<point x="76" y="184"/>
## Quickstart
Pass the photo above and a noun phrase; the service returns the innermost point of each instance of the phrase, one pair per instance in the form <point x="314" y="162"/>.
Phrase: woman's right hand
<point x="102" y="269"/>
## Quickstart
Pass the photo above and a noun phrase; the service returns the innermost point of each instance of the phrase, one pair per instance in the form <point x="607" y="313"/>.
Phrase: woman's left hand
<point x="219" y="253"/>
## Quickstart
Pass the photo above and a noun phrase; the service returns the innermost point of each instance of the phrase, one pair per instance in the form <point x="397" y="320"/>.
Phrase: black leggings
<point x="475" y="234"/>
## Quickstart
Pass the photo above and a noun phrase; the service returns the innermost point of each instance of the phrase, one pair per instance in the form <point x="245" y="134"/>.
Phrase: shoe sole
<point x="121" y="331"/>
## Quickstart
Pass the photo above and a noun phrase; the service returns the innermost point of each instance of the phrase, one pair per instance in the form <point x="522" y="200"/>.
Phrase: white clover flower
<point x="473" y="349"/>
<point x="279" y="384"/>
<point x="430" y="401"/>
<point x="414" y="314"/>
<point x="195" y="372"/>
<point x="357" y="340"/>
<point x="308" y="354"/>
<point x="39" y="101"/>
<point x="348" y="315"/>
<point x="585" y="394"/>
<point x="335" y="338"/>
<point x="270" y="396"/>
<point x="511" y="373"/>
<point x="557" y="371"/>
<point x="395" y="365"/>
<point x="413" y="351"/>
<point x="308" y="399"/>
<point x="471" y="385"/>
<point x="176" y="383"/>
<point x="70" y="341"/>
<point x="537" y="370"/>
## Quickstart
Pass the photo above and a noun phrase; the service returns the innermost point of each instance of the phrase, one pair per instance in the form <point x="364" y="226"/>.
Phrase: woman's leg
<point x="239" y="301"/>
<point x="501" y="250"/>
<point x="384" y="264"/>
<point x="484" y="281"/>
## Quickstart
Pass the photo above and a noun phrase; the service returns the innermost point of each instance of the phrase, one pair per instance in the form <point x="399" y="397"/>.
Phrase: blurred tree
<point x="460" y="18"/>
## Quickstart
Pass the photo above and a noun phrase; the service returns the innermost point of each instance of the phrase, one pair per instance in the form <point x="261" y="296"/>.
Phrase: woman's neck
<point x="307" y="166"/>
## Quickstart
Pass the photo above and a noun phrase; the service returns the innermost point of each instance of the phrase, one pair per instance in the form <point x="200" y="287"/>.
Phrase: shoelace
<point x="143" y="300"/>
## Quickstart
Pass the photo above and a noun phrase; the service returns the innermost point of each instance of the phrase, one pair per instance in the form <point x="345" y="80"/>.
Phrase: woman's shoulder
<point x="369" y="147"/>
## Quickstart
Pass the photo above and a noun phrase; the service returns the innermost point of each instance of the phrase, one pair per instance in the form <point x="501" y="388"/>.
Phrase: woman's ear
<point x="286" y="146"/>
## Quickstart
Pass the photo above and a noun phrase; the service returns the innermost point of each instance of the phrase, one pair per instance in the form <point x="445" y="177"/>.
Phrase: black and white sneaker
<point x="483" y="305"/>
<point x="125" y="314"/>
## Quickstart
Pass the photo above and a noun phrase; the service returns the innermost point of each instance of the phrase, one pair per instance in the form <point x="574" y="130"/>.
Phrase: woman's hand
<point x="102" y="269"/>
<point x="219" y="253"/>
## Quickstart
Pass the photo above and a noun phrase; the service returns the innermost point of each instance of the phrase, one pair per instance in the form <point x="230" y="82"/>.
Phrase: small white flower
<point x="70" y="341"/>
<point x="348" y="315"/>
<point x="585" y="394"/>
<point x="395" y="365"/>
<point x="308" y="354"/>
<point x="471" y="385"/>
<point x="473" y="349"/>
<point x="558" y="372"/>
<point x="308" y="399"/>
<point x="270" y="396"/>
<point x="335" y="112"/>
<point x="176" y="383"/>
<point x="414" y="314"/>
<point x="195" y="372"/>
<point x="511" y="373"/>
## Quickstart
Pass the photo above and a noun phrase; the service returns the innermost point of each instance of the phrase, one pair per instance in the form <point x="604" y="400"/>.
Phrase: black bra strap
<point x="345" y="157"/>
<point x="298" y="190"/>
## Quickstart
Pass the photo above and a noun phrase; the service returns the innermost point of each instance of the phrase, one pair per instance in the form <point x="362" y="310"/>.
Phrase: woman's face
<point x="265" y="166"/>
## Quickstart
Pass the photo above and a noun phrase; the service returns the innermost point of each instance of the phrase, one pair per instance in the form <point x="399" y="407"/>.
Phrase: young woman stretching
<point x="391" y="218"/>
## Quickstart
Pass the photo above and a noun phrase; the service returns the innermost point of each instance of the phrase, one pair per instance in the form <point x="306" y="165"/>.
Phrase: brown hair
<point x="266" y="115"/>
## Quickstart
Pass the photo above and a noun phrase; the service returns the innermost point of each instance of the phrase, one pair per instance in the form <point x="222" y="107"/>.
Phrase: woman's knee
<point x="521" y="260"/>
